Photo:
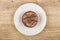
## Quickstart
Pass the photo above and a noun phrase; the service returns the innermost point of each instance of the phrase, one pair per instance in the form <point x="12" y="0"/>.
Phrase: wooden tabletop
<point x="8" y="30"/>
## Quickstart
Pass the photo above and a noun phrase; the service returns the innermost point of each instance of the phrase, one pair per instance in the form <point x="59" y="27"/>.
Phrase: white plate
<point x="41" y="19"/>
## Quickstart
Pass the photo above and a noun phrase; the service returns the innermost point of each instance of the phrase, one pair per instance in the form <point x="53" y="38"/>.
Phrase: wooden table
<point x="8" y="30"/>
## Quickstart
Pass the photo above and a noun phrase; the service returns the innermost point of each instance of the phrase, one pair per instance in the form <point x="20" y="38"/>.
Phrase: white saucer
<point x="41" y="19"/>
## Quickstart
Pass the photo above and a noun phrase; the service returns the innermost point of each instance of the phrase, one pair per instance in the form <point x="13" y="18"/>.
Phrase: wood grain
<point x="8" y="30"/>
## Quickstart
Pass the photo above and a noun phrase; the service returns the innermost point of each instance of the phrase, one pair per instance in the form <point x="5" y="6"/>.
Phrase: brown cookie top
<point x="29" y="19"/>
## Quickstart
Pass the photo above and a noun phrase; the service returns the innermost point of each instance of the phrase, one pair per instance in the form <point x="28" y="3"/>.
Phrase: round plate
<point x="41" y="19"/>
